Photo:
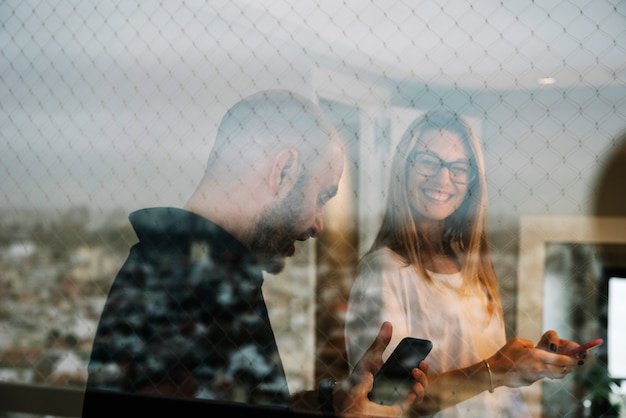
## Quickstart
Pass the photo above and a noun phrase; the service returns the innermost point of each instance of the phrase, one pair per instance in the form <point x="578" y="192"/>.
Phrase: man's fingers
<point x="384" y="336"/>
<point x="423" y="366"/>
<point x="365" y="385"/>
<point x="372" y="360"/>
<point x="419" y="389"/>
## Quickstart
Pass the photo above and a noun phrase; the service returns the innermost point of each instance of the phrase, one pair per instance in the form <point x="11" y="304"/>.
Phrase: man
<point x="185" y="317"/>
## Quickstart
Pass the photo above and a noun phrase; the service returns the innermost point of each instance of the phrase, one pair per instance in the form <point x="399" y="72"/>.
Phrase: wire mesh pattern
<point x="110" y="107"/>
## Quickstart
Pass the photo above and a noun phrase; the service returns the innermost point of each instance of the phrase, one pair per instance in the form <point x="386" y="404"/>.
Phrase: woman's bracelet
<point x="490" y="376"/>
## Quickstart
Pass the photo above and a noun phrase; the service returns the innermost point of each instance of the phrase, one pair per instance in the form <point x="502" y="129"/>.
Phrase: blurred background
<point x="109" y="107"/>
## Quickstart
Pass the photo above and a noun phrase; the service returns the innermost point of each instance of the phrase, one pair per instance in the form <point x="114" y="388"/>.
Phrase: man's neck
<point x="217" y="206"/>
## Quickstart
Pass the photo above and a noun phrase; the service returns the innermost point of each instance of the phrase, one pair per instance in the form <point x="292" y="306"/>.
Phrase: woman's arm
<point x="518" y="363"/>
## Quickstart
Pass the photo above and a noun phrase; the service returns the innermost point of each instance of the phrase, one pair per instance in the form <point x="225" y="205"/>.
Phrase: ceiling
<point x="474" y="44"/>
<point x="493" y="44"/>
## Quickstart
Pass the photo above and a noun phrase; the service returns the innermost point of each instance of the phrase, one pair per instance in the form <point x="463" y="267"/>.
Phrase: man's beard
<point x="275" y="232"/>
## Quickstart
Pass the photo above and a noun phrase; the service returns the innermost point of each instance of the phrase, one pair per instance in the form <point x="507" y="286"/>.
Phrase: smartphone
<point x="393" y="380"/>
<point x="584" y="347"/>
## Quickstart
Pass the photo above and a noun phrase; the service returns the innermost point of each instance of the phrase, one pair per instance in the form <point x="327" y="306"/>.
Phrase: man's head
<point x="267" y="122"/>
<point x="275" y="164"/>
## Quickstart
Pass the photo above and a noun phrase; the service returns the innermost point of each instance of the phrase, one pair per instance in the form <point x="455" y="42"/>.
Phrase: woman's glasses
<point x="429" y="164"/>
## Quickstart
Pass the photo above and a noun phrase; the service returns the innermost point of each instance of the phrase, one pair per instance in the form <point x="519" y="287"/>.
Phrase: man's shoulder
<point x="159" y="218"/>
<point x="168" y="232"/>
<point x="174" y="222"/>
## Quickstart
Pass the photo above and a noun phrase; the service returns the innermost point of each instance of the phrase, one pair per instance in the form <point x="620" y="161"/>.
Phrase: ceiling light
<point x="546" y="81"/>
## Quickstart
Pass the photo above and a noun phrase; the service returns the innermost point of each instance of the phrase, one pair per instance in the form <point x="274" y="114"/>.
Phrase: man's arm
<point x="305" y="401"/>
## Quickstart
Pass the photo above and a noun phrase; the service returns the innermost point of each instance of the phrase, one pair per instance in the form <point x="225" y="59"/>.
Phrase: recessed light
<point x="546" y="81"/>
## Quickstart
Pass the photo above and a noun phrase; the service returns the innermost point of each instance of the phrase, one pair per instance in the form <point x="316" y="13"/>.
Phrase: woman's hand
<point x="351" y="396"/>
<point x="519" y="363"/>
<point x="550" y="341"/>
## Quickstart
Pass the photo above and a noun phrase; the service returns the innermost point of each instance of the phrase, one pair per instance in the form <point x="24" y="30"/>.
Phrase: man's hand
<point x="351" y="395"/>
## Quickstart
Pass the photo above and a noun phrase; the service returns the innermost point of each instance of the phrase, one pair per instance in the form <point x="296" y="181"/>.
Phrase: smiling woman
<point x="438" y="192"/>
<point x="430" y="274"/>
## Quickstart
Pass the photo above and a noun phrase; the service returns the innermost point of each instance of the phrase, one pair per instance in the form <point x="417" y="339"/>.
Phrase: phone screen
<point x="393" y="380"/>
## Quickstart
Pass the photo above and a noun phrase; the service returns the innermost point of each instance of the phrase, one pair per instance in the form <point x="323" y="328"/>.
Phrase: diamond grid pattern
<point x="108" y="107"/>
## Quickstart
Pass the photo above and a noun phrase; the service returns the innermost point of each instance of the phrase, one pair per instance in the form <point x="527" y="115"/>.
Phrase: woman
<point x="429" y="272"/>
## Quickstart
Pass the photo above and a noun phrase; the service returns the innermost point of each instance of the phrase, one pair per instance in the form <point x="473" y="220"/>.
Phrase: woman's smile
<point x="437" y="195"/>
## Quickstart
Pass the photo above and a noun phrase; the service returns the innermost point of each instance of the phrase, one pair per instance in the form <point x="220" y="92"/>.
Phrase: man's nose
<point x="318" y="225"/>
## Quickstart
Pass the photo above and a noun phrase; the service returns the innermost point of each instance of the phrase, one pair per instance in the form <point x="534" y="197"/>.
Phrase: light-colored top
<point x="462" y="331"/>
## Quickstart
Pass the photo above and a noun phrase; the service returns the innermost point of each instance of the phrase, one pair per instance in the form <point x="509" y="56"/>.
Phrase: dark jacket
<point x="185" y="317"/>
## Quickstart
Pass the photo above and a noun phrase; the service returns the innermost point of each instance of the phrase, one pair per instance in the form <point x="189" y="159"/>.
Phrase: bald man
<point x="185" y="316"/>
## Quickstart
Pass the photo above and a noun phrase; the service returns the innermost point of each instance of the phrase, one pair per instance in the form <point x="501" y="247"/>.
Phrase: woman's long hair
<point x="464" y="232"/>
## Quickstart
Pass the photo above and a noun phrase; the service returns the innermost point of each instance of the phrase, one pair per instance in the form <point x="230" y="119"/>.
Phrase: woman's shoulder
<point x="382" y="259"/>
<point x="377" y="269"/>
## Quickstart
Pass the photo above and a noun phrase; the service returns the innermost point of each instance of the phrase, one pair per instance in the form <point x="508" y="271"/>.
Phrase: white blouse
<point x="462" y="331"/>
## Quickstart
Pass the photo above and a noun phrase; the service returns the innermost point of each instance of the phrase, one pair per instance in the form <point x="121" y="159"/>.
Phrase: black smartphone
<point x="393" y="380"/>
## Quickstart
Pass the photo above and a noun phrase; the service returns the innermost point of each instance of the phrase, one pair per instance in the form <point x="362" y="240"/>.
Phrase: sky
<point x="115" y="104"/>
<point x="103" y="105"/>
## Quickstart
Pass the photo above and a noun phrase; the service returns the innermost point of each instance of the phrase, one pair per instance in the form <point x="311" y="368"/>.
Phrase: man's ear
<point x="284" y="172"/>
